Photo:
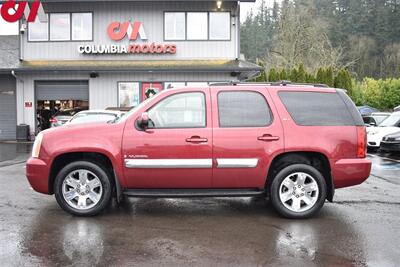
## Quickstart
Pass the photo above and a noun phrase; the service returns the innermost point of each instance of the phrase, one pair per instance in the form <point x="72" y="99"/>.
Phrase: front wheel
<point x="298" y="191"/>
<point x="82" y="188"/>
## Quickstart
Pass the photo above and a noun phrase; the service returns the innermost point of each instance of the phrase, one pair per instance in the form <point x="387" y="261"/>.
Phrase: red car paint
<point x="122" y="140"/>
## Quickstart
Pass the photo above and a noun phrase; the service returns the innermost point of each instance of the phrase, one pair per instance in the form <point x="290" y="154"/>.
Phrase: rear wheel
<point x="298" y="191"/>
<point x="83" y="188"/>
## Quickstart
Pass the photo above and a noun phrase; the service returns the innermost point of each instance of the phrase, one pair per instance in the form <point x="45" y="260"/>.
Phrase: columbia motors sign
<point x="128" y="30"/>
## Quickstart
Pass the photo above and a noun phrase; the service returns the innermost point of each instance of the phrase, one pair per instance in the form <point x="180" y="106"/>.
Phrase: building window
<point x="60" y="27"/>
<point x="193" y="26"/>
<point x="197" y="84"/>
<point x="175" y="26"/>
<point x="128" y="94"/>
<point x="38" y="31"/>
<point x="197" y="25"/>
<point x="82" y="25"/>
<point x="220" y="28"/>
<point x="170" y="85"/>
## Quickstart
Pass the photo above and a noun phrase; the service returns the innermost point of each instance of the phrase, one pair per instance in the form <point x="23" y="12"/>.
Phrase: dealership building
<point x="100" y="54"/>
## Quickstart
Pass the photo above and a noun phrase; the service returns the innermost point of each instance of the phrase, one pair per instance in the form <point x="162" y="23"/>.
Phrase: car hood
<point x="382" y="131"/>
<point x="393" y="135"/>
<point x="87" y="130"/>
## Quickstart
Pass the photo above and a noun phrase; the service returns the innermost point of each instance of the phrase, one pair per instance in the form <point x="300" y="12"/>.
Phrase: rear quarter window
<point x="318" y="109"/>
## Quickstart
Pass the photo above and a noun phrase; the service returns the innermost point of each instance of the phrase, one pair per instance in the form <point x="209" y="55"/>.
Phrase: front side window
<point x="185" y="110"/>
<point x="175" y="26"/>
<point x="220" y="26"/>
<point x="60" y="27"/>
<point x="82" y="26"/>
<point x="38" y="31"/>
<point x="197" y="25"/>
<point x="243" y="109"/>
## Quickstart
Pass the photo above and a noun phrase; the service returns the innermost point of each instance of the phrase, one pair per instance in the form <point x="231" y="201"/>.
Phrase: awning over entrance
<point x="238" y="68"/>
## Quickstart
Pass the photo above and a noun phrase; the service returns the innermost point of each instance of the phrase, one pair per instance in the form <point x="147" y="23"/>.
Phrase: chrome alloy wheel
<point x="82" y="189"/>
<point x="299" y="192"/>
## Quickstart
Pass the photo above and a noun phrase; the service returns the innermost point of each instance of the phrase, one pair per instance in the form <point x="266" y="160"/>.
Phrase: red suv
<point x="292" y="143"/>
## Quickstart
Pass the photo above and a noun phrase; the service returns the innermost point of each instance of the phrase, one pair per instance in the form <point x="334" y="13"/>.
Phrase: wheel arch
<point x="95" y="157"/>
<point x="316" y="159"/>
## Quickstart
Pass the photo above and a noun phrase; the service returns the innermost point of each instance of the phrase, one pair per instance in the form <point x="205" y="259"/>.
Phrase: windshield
<point x="392" y="121"/>
<point x="379" y="119"/>
<point x="132" y="111"/>
<point x="92" y="117"/>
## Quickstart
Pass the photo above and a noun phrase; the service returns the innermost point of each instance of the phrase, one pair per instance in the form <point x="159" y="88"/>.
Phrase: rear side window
<point x="317" y="109"/>
<point x="243" y="109"/>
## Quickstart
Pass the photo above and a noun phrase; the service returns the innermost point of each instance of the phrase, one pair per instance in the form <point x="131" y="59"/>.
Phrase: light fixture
<point x="219" y="4"/>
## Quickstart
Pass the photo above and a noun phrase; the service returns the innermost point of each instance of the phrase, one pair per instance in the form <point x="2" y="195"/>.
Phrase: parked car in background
<point x="366" y="110"/>
<point x="63" y="116"/>
<point x="375" y="134"/>
<point x="375" y="118"/>
<point x="227" y="140"/>
<point x="397" y="108"/>
<point x="391" y="143"/>
<point x="89" y="116"/>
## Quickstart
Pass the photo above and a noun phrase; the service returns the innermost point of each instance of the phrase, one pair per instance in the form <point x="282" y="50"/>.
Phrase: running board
<point x="192" y="193"/>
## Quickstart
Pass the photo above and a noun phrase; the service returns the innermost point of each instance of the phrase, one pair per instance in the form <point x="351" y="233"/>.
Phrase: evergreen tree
<point x="273" y="75"/>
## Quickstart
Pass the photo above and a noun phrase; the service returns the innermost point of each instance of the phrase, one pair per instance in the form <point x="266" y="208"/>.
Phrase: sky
<point x="12" y="28"/>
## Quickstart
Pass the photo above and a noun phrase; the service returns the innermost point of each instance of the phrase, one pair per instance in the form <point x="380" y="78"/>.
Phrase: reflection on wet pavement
<point x="361" y="229"/>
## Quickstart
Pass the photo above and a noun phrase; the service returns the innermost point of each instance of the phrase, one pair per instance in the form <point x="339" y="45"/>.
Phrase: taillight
<point x="53" y="120"/>
<point x="361" y="142"/>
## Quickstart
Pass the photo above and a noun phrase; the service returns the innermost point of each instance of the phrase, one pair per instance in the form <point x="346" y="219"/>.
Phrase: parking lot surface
<point x="361" y="228"/>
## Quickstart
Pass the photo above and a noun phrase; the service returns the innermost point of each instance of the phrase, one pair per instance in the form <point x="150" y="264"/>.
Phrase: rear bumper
<point x="37" y="173"/>
<point x="349" y="172"/>
<point x="390" y="147"/>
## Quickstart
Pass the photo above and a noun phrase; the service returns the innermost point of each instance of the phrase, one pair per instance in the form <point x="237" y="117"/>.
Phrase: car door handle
<point x="196" y="139"/>
<point x="268" y="138"/>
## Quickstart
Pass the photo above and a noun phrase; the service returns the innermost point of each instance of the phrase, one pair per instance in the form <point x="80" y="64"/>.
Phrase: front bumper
<point x="37" y="172"/>
<point x="349" y="172"/>
<point x="390" y="146"/>
<point x="374" y="141"/>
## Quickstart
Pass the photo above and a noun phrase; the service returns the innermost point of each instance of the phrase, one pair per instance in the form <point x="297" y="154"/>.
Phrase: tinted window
<point x="243" y="109"/>
<point x="317" y="109"/>
<point x="186" y="110"/>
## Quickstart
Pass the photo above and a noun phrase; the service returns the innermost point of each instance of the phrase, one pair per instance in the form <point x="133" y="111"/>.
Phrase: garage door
<point x="62" y="90"/>
<point x="8" y="111"/>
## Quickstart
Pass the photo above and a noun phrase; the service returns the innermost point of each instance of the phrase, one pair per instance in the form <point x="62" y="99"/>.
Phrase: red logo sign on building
<point x="13" y="11"/>
<point x="117" y="31"/>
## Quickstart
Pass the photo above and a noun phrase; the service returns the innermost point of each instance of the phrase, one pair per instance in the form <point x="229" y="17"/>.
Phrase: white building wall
<point x="151" y="14"/>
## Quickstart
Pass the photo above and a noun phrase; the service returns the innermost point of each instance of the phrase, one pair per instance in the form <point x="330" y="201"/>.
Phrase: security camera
<point x="23" y="28"/>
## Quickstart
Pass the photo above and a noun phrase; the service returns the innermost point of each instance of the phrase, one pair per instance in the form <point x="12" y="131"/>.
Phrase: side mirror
<point x="143" y="122"/>
<point x="372" y="123"/>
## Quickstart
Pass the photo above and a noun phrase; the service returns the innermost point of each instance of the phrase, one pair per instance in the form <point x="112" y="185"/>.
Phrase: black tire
<point x="104" y="178"/>
<point x="279" y="178"/>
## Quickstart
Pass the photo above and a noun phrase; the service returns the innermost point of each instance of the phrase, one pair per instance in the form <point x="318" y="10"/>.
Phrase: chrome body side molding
<point x="237" y="163"/>
<point x="168" y="163"/>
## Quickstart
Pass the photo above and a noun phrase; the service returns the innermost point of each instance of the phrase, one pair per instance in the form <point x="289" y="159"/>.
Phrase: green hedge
<point x="381" y="94"/>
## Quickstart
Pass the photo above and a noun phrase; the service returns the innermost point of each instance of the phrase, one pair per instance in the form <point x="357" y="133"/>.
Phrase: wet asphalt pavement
<point x="362" y="227"/>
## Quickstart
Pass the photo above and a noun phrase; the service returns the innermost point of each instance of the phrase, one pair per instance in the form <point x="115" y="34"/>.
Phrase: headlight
<point x="37" y="145"/>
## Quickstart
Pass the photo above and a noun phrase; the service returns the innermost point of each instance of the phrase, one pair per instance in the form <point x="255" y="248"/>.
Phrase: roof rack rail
<point x="280" y="83"/>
